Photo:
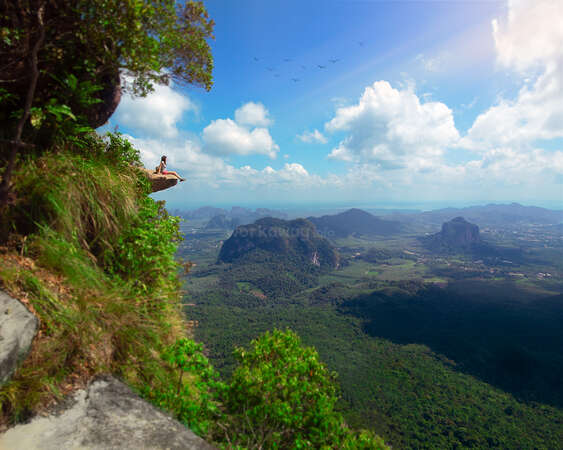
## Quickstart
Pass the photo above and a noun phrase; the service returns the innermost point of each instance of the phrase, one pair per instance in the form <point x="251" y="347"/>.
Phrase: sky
<point x="373" y="103"/>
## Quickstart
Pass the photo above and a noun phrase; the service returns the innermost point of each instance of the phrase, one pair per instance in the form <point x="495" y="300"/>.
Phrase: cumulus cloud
<point x="225" y="137"/>
<point x="392" y="129"/>
<point x="155" y="115"/>
<point x="531" y="34"/>
<point x="528" y="42"/>
<point x="253" y="114"/>
<point x="312" y="136"/>
<point x="203" y="169"/>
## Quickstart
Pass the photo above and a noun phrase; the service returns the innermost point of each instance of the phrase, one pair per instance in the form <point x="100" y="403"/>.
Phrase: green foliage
<point x="95" y="40"/>
<point x="144" y="252"/>
<point x="119" y="151"/>
<point x="74" y="219"/>
<point x="282" y="396"/>
<point x="408" y="394"/>
<point x="192" y="394"/>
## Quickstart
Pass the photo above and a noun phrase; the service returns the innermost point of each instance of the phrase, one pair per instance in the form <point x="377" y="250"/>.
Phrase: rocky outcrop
<point x="295" y="240"/>
<point x="159" y="181"/>
<point x="18" y="327"/>
<point x="458" y="235"/>
<point x="459" y="232"/>
<point x="106" y="415"/>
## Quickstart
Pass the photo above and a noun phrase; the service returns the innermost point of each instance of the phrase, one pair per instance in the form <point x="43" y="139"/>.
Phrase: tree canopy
<point x="61" y="61"/>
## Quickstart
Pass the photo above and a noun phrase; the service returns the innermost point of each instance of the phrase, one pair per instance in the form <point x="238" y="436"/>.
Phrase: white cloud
<point x="225" y="137"/>
<point x="529" y="42"/>
<point x="532" y="33"/>
<point x="312" y="136"/>
<point x="203" y="169"/>
<point x="155" y="115"/>
<point x="392" y="129"/>
<point x="253" y="114"/>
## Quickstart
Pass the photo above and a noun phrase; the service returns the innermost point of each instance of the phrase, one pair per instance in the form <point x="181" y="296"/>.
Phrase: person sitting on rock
<point x="162" y="169"/>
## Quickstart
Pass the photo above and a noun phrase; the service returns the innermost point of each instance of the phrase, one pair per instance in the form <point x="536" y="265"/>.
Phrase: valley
<point x="433" y="349"/>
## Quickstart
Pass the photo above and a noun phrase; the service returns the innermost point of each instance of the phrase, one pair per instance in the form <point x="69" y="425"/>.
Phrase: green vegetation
<point x="473" y="365"/>
<point x="94" y="257"/>
<point x="280" y="396"/>
<point x="68" y="252"/>
<point x="62" y="61"/>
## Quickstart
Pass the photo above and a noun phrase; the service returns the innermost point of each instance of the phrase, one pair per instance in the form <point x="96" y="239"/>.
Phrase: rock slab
<point x="18" y="327"/>
<point x="159" y="182"/>
<point x="106" y="415"/>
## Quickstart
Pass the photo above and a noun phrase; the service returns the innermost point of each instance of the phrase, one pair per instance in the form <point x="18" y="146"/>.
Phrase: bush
<point x="282" y="396"/>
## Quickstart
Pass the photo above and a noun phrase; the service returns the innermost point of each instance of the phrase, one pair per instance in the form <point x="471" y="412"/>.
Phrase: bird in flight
<point x="295" y="80"/>
<point x="334" y="60"/>
<point x="271" y="69"/>
<point x="287" y="59"/>
<point x="361" y="43"/>
<point x="256" y="59"/>
<point x="303" y="67"/>
<point x="321" y="67"/>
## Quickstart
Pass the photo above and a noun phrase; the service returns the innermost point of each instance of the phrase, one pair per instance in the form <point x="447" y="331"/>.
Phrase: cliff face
<point x="296" y="238"/>
<point x="459" y="233"/>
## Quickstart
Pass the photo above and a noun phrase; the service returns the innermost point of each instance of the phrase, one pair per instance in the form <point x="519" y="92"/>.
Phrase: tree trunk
<point x="17" y="143"/>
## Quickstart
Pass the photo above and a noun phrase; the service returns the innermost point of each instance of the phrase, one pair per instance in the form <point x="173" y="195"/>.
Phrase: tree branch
<point x="17" y="142"/>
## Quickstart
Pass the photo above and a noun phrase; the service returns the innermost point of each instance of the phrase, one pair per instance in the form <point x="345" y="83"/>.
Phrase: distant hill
<point x="354" y="221"/>
<point x="244" y="215"/>
<point x="497" y="215"/>
<point x="295" y="240"/>
<point x="222" y="222"/>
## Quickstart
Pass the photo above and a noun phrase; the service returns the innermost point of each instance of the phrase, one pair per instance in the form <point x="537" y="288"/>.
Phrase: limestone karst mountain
<point x="294" y="239"/>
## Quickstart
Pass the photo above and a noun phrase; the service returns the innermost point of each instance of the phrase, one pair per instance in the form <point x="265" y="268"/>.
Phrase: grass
<point x="68" y="263"/>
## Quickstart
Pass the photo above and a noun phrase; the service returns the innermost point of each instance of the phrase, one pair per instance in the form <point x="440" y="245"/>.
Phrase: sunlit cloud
<point x="155" y="115"/>
<point x="392" y="128"/>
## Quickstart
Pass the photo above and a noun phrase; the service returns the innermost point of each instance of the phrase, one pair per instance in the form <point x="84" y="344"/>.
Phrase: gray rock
<point x="106" y="415"/>
<point x="17" y="329"/>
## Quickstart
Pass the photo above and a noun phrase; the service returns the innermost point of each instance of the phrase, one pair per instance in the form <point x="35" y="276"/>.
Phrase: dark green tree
<point x="61" y="62"/>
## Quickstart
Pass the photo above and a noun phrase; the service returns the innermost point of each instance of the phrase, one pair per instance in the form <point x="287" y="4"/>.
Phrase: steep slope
<point x="296" y="240"/>
<point x="354" y="221"/>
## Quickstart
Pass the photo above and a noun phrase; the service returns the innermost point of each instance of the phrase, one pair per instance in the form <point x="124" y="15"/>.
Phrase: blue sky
<point x="366" y="102"/>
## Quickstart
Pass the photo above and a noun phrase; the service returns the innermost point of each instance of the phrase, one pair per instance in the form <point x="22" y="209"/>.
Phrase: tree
<point x="61" y="60"/>
<point x="282" y="396"/>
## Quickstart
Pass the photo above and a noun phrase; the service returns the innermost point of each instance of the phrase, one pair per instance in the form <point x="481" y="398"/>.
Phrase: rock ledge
<point x="106" y="415"/>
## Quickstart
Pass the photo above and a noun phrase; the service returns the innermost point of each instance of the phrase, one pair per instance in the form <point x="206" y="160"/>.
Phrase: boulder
<point x="105" y="415"/>
<point x="18" y="327"/>
<point x="159" y="181"/>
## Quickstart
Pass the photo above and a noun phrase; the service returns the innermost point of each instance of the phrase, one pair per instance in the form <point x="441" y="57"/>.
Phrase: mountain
<point x="295" y="240"/>
<point x="458" y="235"/>
<point x="497" y="215"/>
<point x="354" y="221"/>
<point x="459" y="232"/>
<point x="222" y="222"/>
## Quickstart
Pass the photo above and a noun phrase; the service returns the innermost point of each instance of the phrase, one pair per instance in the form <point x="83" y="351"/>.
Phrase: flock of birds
<point x="323" y="66"/>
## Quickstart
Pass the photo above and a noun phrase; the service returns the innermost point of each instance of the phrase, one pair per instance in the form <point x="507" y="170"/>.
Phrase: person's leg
<point x="176" y="175"/>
